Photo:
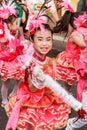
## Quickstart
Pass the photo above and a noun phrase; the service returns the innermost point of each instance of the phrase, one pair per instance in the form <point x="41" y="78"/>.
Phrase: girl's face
<point x="13" y="27"/>
<point x="42" y="42"/>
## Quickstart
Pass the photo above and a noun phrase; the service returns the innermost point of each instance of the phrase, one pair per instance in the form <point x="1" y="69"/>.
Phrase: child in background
<point x="12" y="24"/>
<point x="9" y="22"/>
<point x="71" y="58"/>
<point x="4" y="39"/>
<point x="22" y="14"/>
<point x="68" y="58"/>
<point x="81" y="69"/>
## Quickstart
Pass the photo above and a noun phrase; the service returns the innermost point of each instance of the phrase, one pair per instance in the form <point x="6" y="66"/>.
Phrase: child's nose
<point x="44" y="42"/>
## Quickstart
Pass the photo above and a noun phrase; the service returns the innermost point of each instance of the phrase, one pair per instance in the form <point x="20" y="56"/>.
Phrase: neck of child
<point x="39" y="57"/>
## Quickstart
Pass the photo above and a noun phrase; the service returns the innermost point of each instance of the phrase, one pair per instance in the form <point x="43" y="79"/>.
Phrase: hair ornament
<point x="36" y="23"/>
<point x="81" y="21"/>
<point x="39" y="19"/>
<point x="66" y="5"/>
<point x="7" y="10"/>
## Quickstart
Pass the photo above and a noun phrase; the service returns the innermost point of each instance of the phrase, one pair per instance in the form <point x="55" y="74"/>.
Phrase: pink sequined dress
<point x="37" y="109"/>
<point x="81" y="68"/>
<point x="9" y="68"/>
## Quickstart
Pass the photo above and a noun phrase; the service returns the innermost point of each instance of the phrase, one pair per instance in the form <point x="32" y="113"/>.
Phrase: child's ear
<point x="31" y="40"/>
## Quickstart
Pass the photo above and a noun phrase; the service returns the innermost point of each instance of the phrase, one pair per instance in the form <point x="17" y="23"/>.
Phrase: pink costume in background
<point x="67" y="60"/>
<point x="10" y="68"/>
<point x="81" y="68"/>
<point x="8" y="48"/>
<point x="81" y="65"/>
<point x="12" y="59"/>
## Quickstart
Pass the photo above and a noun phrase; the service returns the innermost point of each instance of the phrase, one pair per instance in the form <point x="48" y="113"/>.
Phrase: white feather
<point x="57" y="89"/>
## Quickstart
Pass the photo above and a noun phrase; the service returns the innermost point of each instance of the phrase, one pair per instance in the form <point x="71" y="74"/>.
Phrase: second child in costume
<point x="8" y="38"/>
<point x="76" y="42"/>
<point x="81" y="69"/>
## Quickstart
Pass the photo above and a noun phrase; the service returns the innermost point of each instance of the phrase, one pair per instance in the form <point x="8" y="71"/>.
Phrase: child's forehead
<point x="44" y="33"/>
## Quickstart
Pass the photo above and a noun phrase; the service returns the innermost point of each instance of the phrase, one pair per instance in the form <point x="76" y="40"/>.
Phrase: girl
<point x="9" y="22"/>
<point x="38" y="108"/>
<point x="68" y="58"/>
<point x="4" y="40"/>
<point x="81" y="69"/>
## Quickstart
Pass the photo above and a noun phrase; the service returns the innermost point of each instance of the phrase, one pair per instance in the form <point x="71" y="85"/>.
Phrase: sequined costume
<point x="68" y="59"/>
<point x="38" y="108"/>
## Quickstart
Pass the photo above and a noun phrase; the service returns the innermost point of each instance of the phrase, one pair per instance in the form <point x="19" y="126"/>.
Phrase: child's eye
<point x="49" y="39"/>
<point x="39" y="39"/>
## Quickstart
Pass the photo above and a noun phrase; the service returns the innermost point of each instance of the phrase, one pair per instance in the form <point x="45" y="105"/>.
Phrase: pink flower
<point x="35" y="23"/>
<point x="66" y="5"/>
<point x="7" y="11"/>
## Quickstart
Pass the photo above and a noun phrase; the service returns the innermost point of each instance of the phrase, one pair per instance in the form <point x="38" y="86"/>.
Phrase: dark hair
<point x="63" y="24"/>
<point x="46" y="26"/>
<point x="10" y="19"/>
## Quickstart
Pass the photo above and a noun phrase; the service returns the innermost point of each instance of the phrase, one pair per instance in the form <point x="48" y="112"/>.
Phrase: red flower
<point x="2" y="32"/>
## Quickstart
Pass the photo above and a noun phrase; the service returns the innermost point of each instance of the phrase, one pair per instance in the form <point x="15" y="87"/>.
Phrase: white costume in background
<point x="34" y="6"/>
<point x="72" y="124"/>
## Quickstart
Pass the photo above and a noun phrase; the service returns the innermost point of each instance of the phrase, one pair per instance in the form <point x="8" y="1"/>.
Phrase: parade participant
<point x="40" y="101"/>
<point x="8" y="35"/>
<point x="81" y="69"/>
<point x="38" y="108"/>
<point x="75" y="43"/>
<point x="22" y="13"/>
<point x="71" y="58"/>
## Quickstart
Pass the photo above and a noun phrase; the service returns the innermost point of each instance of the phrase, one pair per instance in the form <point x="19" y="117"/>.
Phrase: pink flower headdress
<point x="6" y="11"/>
<point x="66" y="5"/>
<point x="39" y="19"/>
<point x="35" y="23"/>
<point x="81" y="21"/>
